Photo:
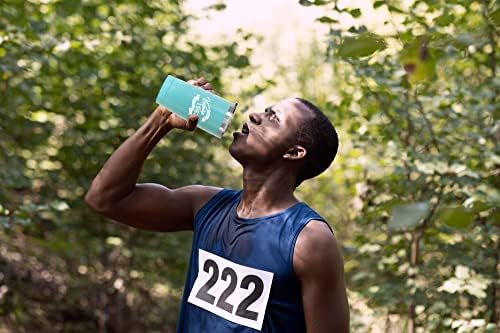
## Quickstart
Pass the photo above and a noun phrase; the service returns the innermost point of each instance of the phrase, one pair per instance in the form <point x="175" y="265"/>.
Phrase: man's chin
<point x="233" y="151"/>
<point x="236" y="152"/>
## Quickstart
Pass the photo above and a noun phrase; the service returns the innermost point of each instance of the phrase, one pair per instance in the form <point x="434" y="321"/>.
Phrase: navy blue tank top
<point x="240" y="276"/>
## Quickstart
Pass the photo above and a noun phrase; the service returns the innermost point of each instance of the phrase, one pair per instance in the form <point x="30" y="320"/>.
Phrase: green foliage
<point x="495" y="17"/>
<point x="456" y="216"/>
<point x="355" y="12"/>
<point x="314" y="2"/>
<point x="77" y="78"/>
<point x="406" y="217"/>
<point x="361" y="45"/>
<point x="218" y="6"/>
<point x="326" y="19"/>
<point x="419" y="62"/>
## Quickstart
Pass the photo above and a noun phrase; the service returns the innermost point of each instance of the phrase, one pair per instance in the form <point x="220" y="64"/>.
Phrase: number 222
<point x="227" y="272"/>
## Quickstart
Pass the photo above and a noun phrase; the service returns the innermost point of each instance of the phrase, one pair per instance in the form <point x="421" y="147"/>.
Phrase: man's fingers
<point x="207" y="86"/>
<point x="204" y="84"/>
<point x="201" y="81"/>
<point x="191" y="123"/>
<point x="163" y="111"/>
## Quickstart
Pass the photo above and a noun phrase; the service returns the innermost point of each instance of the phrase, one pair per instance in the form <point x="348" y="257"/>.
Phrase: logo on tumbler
<point x="201" y="108"/>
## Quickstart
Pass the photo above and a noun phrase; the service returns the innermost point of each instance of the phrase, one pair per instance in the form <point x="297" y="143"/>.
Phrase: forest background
<point x="413" y="196"/>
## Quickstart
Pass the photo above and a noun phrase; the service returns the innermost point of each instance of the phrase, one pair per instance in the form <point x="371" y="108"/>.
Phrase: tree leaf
<point x="444" y="20"/>
<point x="465" y="39"/>
<point x="359" y="46"/>
<point x="495" y="17"/>
<point x="217" y="6"/>
<point x="326" y="19"/>
<point x="395" y="9"/>
<point x="419" y="61"/>
<point x="378" y="4"/>
<point x="355" y="12"/>
<point x="456" y="216"/>
<point x="320" y="2"/>
<point x="408" y="216"/>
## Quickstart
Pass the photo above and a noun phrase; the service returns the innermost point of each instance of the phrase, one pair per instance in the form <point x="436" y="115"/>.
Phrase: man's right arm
<point x="115" y="194"/>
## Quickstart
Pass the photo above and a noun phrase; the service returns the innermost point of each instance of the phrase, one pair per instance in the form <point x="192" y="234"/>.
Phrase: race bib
<point x="234" y="292"/>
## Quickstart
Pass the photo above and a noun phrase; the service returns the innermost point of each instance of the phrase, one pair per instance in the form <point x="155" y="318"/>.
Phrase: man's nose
<point x="255" y="118"/>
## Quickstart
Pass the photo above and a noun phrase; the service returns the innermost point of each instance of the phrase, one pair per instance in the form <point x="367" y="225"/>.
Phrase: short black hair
<point x="319" y="137"/>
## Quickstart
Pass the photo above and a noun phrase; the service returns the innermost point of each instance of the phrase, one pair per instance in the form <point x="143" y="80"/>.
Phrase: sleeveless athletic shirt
<point x="240" y="276"/>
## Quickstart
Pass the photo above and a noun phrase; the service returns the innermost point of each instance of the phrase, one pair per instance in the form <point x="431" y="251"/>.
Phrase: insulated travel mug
<point x="184" y="99"/>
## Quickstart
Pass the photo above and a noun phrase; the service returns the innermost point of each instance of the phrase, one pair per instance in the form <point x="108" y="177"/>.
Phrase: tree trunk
<point x="415" y="242"/>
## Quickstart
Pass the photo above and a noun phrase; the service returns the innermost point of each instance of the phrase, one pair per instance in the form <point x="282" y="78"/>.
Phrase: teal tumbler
<point x="184" y="99"/>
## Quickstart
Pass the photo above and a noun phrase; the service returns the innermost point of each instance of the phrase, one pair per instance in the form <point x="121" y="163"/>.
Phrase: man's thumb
<point x="191" y="123"/>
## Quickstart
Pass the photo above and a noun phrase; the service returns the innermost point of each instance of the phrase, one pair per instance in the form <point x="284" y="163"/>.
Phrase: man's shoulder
<point x="316" y="247"/>
<point x="317" y="235"/>
<point x="198" y="195"/>
<point x="213" y="196"/>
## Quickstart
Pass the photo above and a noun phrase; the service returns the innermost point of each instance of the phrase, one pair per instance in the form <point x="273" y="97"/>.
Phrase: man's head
<point x="319" y="137"/>
<point x="292" y="134"/>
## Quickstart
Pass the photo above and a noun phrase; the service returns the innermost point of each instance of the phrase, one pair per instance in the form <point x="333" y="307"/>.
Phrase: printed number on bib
<point x="234" y="292"/>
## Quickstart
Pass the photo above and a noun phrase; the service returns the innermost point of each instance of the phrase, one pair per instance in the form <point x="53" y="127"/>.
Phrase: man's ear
<point x="295" y="153"/>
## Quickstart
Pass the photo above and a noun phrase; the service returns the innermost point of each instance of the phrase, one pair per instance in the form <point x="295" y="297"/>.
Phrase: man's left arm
<point x="318" y="263"/>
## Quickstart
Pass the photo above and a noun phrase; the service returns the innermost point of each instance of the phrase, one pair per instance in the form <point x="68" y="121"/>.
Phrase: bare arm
<point x="115" y="194"/>
<point x="319" y="266"/>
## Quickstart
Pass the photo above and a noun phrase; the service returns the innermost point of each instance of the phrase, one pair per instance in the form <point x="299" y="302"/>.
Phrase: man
<point x="261" y="260"/>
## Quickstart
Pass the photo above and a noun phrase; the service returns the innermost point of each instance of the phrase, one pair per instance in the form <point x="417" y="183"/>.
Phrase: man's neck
<point x="266" y="193"/>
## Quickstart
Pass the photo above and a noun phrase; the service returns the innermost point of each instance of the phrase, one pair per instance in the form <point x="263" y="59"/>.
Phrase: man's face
<point x="268" y="135"/>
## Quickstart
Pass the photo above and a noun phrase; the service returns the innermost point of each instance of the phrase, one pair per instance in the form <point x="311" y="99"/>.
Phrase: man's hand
<point x="173" y="120"/>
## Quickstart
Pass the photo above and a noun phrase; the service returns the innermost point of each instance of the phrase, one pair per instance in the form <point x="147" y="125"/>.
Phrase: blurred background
<point x="413" y="196"/>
